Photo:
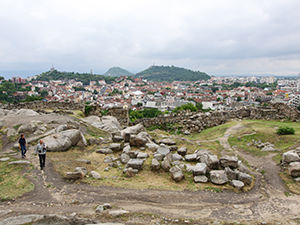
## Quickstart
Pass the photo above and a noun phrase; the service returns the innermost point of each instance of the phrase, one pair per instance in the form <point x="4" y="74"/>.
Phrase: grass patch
<point x="292" y="185"/>
<point x="13" y="183"/>
<point x="212" y="133"/>
<point x="266" y="132"/>
<point x="95" y="132"/>
<point x="16" y="127"/>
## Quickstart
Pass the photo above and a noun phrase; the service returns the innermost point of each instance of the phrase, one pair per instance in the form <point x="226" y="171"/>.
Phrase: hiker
<point x="22" y="146"/>
<point x="41" y="150"/>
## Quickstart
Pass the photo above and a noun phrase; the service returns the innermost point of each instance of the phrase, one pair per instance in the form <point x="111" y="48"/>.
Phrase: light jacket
<point x="41" y="149"/>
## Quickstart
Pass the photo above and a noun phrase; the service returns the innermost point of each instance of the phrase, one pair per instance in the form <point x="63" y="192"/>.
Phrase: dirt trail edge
<point x="266" y="202"/>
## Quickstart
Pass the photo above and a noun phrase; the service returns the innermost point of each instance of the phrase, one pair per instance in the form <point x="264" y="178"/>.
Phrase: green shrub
<point x="285" y="130"/>
<point x="145" y="113"/>
<point x="87" y="109"/>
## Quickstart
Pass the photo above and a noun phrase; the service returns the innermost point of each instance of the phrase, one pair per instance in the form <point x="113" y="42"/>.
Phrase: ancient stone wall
<point x="118" y="112"/>
<point x="196" y="122"/>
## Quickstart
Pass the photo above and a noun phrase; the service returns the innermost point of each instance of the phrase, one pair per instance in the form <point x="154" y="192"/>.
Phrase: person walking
<point x="22" y="146"/>
<point x="41" y="150"/>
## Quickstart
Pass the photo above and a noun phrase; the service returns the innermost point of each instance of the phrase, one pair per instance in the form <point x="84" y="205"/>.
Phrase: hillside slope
<point x="172" y="73"/>
<point x="85" y="78"/>
<point x="117" y="72"/>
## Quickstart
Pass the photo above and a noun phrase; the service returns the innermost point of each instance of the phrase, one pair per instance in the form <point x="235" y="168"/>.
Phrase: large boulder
<point x="124" y="158"/>
<point x="229" y="161"/>
<point x="107" y="123"/>
<point x="182" y="151"/>
<point x="209" y="159"/>
<point x="155" y="165"/>
<point x="291" y="156"/>
<point x="166" y="164"/>
<point x="163" y="150"/>
<point x="294" y="169"/>
<point x="176" y="173"/>
<point x="200" y="179"/>
<point x="62" y="141"/>
<point x="137" y="141"/>
<point x="218" y="176"/>
<point x="246" y="178"/>
<point x="199" y="169"/>
<point x="133" y="130"/>
<point x="146" y="136"/>
<point x="191" y="157"/>
<point x="231" y="174"/>
<point x="167" y="141"/>
<point x="237" y="184"/>
<point x="135" y="163"/>
<point x="27" y="127"/>
<point x="176" y="157"/>
<point x="115" y="147"/>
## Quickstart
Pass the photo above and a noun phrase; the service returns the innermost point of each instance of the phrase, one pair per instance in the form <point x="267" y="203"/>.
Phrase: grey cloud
<point x="218" y="37"/>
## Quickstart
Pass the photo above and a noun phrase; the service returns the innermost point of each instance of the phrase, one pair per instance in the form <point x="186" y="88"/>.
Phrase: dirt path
<point x="266" y="202"/>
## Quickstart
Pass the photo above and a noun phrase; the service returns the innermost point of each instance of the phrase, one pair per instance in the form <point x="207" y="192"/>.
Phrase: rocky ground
<point x="58" y="201"/>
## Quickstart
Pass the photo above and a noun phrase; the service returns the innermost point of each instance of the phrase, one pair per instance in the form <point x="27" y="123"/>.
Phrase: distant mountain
<point x="85" y="78"/>
<point x="117" y="72"/>
<point x="172" y="73"/>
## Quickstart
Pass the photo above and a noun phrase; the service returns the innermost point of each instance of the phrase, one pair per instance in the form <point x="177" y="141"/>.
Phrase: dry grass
<point x="13" y="183"/>
<point x="292" y="185"/>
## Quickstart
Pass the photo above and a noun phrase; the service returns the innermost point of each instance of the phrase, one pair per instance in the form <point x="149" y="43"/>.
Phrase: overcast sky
<point x="215" y="36"/>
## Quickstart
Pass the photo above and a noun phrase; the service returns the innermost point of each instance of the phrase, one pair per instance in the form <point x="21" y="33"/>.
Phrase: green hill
<point x="117" y="72"/>
<point x="172" y="73"/>
<point x="85" y="78"/>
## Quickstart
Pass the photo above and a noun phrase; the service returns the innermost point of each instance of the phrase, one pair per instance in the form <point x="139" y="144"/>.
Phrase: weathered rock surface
<point x="246" y="178"/>
<point x="133" y="130"/>
<point x="19" y="162"/>
<point x="200" y="179"/>
<point x="104" y="151"/>
<point x="124" y="158"/>
<point x="176" y="173"/>
<point x="291" y="156"/>
<point x="4" y="159"/>
<point x="95" y="175"/>
<point x="142" y="155"/>
<point x="115" y="147"/>
<point x="199" y="169"/>
<point x="155" y="165"/>
<point x="163" y="150"/>
<point x="294" y="169"/>
<point x="152" y="146"/>
<point x="63" y="141"/>
<point x="106" y="123"/>
<point x="182" y="151"/>
<point x="176" y="157"/>
<point x="167" y="141"/>
<point x="166" y="164"/>
<point x="191" y="157"/>
<point x="136" y="163"/>
<point x="209" y="159"/>
<point x="237" y="184"/>
<point x="117" y="213"/>
<point x="86" y="161"/>
<point x="229" y="161"/>
<point x="218" y="177"/>
<point x="130" y="172"/>
<point x="137" y="141"/>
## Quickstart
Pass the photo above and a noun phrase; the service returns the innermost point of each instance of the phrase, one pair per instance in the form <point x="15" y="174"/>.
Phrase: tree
<point x="44" y="93"/>
<point x="239" y="98"/>
<point x="1" y="78"/>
